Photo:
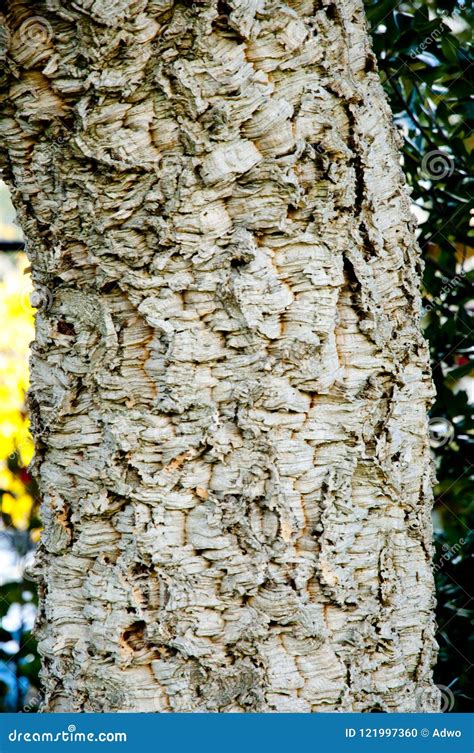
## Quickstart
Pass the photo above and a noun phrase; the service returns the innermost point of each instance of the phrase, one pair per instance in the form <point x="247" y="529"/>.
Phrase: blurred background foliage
<point x="424" y="53"/>
<point x="425" y="60"/>
<point x="19" y="526"/>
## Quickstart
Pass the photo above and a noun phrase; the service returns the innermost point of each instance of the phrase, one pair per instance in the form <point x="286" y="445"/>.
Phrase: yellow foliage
<point x="16" y="333"/>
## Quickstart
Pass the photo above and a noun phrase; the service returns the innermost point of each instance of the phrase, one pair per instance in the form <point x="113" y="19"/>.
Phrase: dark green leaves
<point x="425" y="60"/>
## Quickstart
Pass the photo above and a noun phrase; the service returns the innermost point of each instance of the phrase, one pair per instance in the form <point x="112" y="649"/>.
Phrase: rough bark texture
<point x="229" y="385"/>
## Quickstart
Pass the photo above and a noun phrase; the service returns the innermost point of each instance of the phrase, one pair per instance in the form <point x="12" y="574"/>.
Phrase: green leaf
<point x="450" y="47"/>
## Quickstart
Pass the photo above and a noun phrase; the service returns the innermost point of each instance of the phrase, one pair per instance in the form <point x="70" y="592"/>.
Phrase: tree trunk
<point x="228" y="382"/>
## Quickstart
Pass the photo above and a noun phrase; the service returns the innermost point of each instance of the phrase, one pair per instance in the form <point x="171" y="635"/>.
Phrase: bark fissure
<point x="228" y="379"/>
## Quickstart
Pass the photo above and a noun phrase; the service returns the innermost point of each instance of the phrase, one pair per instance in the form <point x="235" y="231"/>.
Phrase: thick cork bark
<point x="228" y="382"/>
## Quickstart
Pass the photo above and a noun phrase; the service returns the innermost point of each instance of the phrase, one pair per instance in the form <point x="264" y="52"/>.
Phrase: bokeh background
<point x="425" y="60"/>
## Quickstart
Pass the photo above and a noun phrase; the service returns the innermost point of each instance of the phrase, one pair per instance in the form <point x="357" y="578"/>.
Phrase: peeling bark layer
<point x="229" y="385"/>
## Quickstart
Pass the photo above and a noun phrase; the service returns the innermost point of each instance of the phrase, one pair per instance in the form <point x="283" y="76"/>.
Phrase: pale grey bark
<point x="229" y="384"/>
